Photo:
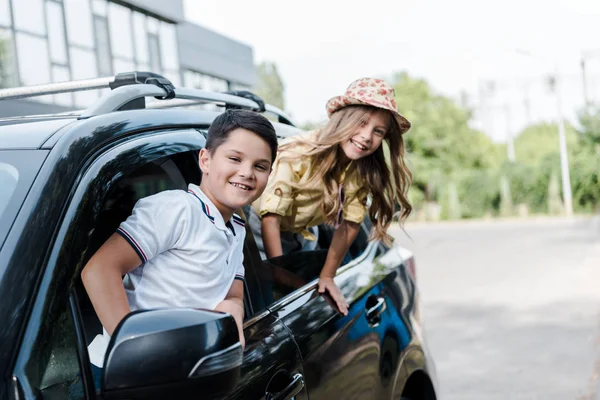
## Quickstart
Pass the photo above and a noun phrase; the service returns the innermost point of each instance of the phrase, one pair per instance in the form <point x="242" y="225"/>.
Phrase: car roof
<point x="29" y="133"/>
<point x="33" y="132"/>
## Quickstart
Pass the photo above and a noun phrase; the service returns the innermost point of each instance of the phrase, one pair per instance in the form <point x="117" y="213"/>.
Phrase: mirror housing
<point x="172" y="353"/>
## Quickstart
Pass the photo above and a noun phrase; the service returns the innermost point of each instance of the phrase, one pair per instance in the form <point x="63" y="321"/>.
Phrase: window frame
<point x="252" y="276"/>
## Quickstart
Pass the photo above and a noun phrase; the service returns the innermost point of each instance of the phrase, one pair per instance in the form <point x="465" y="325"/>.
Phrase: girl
<point x="327" y="176"/>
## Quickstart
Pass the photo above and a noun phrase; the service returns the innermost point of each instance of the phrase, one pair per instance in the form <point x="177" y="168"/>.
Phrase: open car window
<point x="280" y="276"/>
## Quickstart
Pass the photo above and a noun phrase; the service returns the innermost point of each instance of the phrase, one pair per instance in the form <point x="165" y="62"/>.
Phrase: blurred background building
<point x="45" y="41"/>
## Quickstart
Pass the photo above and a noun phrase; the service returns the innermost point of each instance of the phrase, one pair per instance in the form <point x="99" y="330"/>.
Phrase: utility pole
<point x="510" y="144"/>
<point x="586" y="99"/>
<point x="564" y="161"/>
<point x="585" y="55"/>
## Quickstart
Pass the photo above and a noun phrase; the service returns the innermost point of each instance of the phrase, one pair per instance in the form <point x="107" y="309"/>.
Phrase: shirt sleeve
<point x="156" y="223"/>
<point x="355" y="209"/>
<point x="277" y="197"/>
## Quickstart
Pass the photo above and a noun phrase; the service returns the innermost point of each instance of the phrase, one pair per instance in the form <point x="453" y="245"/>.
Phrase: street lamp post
<point x="564" y="160"/>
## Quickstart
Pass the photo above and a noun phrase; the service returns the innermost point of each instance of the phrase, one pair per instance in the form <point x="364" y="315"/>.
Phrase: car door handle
<point x="374" y="312"/>
<point x="289" y="391"/>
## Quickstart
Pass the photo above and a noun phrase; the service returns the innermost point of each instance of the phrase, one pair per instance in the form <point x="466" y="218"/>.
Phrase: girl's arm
<point x="103" y="280"/>
<point x="271" y="230"/>
<point x="343" y="237"/>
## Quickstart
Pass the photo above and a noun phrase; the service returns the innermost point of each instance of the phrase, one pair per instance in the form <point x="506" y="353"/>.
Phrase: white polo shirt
<point x="190" y="255"/>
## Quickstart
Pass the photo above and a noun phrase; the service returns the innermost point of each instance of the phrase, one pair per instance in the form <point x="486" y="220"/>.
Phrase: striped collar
<point x="213" y="214"/>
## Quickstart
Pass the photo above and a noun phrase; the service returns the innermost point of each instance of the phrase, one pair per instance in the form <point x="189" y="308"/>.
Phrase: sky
<point x="321" y="46"/>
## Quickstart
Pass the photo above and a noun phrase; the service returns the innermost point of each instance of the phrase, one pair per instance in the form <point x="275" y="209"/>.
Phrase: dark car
<point x="67" y="181"/>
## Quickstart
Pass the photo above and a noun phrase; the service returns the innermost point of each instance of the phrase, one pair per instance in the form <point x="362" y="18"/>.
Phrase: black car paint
<point x="301" y="335"/>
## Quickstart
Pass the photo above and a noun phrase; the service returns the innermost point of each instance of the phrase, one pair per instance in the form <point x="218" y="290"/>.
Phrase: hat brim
<point x="338" y="102"/>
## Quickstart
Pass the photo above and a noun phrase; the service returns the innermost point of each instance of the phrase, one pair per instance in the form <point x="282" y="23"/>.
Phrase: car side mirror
<point x="172" y="353"/>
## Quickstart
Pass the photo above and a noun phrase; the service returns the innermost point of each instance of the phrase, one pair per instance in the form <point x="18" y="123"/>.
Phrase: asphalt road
<point x="511" y="308"/>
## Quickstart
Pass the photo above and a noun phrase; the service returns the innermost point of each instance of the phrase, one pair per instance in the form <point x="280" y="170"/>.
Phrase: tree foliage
<point x="538" y="141"/>
<point x="441" y="143"/>
<point x="459" y="168"/>
<point x="269" y="84"/>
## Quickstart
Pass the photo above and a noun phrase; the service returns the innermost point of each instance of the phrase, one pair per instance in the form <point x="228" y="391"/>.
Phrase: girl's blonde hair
<point x="385" y="183"/>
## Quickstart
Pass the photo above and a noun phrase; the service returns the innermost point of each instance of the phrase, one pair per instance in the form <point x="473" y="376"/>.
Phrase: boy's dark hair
<point x="232" y="119"/>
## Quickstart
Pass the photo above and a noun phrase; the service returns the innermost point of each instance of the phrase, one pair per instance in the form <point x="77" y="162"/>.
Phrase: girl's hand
<point x="328" y="284"/>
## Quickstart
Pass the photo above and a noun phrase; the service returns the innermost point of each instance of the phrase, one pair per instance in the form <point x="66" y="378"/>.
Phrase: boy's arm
<point x="271" y="231"/>
<point x="234" y="305"/>
<point x="343" y="237"/>
<point x="103" y="280"/>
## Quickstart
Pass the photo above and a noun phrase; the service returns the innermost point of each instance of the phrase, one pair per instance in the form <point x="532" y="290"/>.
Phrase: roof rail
<point x="130" y="89"/>
<point x="281" y="116"/>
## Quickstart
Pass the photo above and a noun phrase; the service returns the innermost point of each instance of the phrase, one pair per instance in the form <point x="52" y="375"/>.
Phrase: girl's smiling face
<point x="368" y="135"/>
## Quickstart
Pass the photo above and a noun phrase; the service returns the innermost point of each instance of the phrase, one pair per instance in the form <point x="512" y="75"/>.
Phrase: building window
<point x="56" y="33"/>
<point x="100" y="7"/>
<point x="29" y="16"/>
<point x="103" y="46"/>
<point x="5" y="13"/>
<point x="168" y="40"/>
<point x="217" y="84"/>
<point x="119" y="22"/>
<point x="83" y="66"/>
<point x="79" y="23"/>
<point x="8" y="76"/>
<point x="154" y="47"/>
<point x="140" y="36"/>
<point x="123" y="66"/>
<point x="205" y="82"/>
<point x="34" y="65"/>
<point x="238" y="86"/>
<point x="45" y="41"/>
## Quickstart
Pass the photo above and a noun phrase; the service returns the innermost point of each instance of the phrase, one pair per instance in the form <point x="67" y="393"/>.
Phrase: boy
<point x="185" y="249"/>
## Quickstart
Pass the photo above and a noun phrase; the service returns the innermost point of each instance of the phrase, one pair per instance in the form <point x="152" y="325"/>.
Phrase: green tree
<point x="269" y="85"/>
<point x="589" y="122"/>
<point x="441" y="143"/>
<point x="4" y="62"/>
<point x="537" y="141"/>
<point x="555" y="204"/>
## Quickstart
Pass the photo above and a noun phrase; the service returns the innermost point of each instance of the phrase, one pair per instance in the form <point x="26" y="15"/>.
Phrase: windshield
<point x="9" y="176"/>
<point x="18" y="169"/>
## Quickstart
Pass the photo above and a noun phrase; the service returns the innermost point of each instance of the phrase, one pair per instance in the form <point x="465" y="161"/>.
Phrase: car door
<point x="272" y="365"/>
<point x="52" y="362"/>
<point x="351" y="357"/>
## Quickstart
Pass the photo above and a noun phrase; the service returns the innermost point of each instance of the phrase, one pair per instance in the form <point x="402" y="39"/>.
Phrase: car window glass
<point x="55" y="370"/>
<point x="280" y="276"/>
<point x="9" y="176"/>
<point x="18" y="169"/>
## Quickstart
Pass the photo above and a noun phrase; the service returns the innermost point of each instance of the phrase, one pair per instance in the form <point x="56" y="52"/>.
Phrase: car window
<point x="18" y="169"/>
<point x="280" y="276"/>
<point x="9" y="176"/>
<point x="53" y="365"/>
<point x="146" y="180"/>
<point x="54" y="370"/>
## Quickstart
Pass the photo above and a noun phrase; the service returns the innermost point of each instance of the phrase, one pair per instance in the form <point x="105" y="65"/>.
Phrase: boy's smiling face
<point x="236" y="173"/>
